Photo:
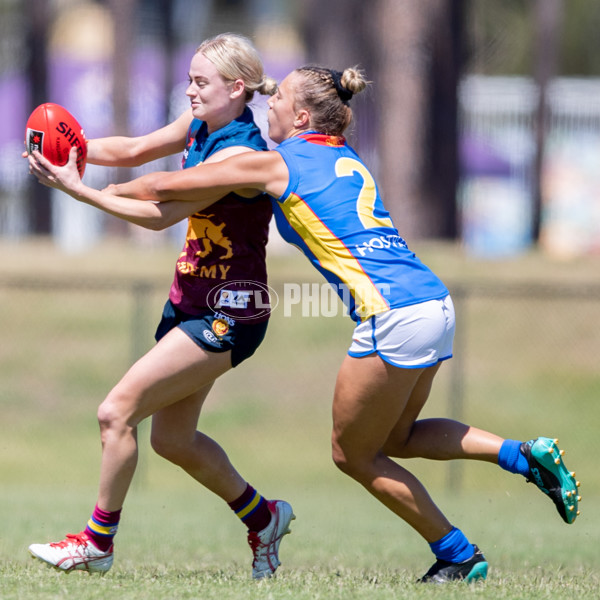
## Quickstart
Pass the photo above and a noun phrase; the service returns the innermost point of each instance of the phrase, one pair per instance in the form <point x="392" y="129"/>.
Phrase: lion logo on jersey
<point x="208" y="235"/>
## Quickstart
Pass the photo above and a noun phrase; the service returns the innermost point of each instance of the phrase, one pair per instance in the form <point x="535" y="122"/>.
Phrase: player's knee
<point x="395" y="448"/>
<point x="339" y="457"/>
<point x="116" y="412"/>
<point x="173" y="448"/>
<point x="166" y="447"/>
<point x="108" y="415"/>
<point x="342" y="459"/>
<point x="162" y="447"/>
<point x="352" y="461"/>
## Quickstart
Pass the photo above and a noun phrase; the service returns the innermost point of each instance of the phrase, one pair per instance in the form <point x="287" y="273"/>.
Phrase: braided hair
<point x="326" y="93"/>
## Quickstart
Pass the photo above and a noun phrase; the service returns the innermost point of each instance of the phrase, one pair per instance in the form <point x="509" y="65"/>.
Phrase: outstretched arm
<point x="150" y="215"/>
<point x="133" y="151"/>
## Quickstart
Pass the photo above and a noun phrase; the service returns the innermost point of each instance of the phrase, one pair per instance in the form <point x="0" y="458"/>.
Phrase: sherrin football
<point x="52" y="130"/>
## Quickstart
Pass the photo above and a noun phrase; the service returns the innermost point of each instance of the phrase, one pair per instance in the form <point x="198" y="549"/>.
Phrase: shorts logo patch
<point x="234" y="298"/>
<point x="220" y="327"/>
<point x="210" y="336"/>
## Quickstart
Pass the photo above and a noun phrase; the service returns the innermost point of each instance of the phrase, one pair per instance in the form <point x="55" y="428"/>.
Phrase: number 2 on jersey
<point x="365" y="203"/>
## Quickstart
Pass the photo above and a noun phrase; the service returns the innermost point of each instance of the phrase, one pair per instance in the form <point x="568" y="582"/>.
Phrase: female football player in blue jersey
<point x="327" y="204"/>
<point x="224" y="249"/>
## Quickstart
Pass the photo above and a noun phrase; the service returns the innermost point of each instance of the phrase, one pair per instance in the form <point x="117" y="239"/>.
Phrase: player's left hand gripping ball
<point x="52" y="130"/>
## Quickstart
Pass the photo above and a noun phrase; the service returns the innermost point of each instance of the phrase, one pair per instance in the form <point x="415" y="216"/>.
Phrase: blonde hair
<point x="326" y="93"/>
<point x="235" y="57"/>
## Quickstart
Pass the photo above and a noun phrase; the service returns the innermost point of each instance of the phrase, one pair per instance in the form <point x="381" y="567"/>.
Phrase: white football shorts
<point x="412" y="337"/>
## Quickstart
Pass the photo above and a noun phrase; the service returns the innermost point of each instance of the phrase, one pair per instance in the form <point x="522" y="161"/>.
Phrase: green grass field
<point x="529" y="369"/>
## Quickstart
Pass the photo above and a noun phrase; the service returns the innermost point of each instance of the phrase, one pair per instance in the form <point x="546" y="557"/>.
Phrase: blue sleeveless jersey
<point x="332" y="211"/>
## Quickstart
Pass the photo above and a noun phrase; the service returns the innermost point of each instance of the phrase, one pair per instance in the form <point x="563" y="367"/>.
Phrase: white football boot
<point x="265" y="543"/>
<point x="75" y="552"/>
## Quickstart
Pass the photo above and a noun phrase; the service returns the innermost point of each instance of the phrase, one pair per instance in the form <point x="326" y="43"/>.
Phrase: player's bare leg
<point x="371" y="399"/>
<point x="174" y="369"/>
<point x="175" y="437"/>
<point x="442" y="439"/>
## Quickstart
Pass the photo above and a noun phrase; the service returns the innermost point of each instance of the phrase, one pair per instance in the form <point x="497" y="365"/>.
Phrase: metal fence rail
<point x="517" y="345"/>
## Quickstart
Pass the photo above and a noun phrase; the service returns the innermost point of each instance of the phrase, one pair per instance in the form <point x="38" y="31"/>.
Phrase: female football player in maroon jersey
<point x="214" y="319"/>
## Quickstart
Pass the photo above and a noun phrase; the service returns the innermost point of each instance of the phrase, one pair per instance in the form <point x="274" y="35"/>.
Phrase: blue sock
<point x="511" y="459"/>
<point x="453" y="547"/>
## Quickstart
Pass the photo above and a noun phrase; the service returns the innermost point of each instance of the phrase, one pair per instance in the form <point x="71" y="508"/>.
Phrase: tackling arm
<point x="263" y="171"/>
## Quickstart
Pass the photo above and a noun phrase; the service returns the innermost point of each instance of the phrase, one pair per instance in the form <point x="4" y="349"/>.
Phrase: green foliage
<point x="499" y="37"/>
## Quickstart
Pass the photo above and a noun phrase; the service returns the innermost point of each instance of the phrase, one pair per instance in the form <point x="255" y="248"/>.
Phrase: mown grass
<point x="177" y="542"/>
<point x="305" y="584"/>
<point x="528" y="368"/>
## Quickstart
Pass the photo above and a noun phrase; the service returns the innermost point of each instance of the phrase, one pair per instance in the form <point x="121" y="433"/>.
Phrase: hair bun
<point x="343" y="92"/>
<point x="353" y="80"/>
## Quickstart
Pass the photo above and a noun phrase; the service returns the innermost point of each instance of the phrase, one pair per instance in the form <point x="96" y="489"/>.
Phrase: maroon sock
<point x="102" y="527"/>
<point x="252" y="509"/>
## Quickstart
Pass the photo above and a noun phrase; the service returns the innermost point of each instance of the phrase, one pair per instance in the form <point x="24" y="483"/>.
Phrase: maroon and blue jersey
<point x="223" y="262"/>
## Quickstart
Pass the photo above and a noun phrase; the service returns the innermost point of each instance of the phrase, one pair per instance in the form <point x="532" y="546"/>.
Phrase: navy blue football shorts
<point x="214" y="332"/>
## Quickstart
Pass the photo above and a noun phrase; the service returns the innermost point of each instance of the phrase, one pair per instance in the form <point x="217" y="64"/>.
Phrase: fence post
<point x="140" y="295"/>
<point x="457" y="381"/>
<point x="140" y="291"/>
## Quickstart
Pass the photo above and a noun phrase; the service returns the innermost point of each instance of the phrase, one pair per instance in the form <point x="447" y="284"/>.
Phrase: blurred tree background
<point x="408" y="125"/>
